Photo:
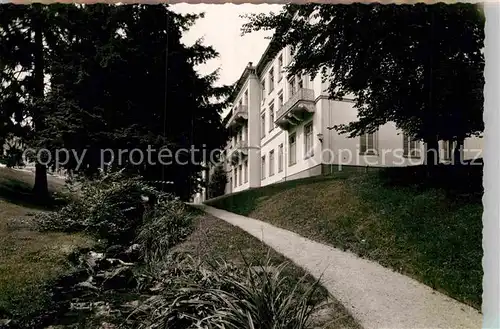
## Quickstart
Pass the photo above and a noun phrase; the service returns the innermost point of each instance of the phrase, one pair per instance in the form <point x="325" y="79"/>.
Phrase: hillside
<point x="428" y="229"/>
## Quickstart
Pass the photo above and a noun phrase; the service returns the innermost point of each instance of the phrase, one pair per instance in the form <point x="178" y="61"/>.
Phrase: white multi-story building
<point x="281" y="129"/>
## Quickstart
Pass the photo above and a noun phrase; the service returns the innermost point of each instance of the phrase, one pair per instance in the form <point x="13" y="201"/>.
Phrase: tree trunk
<point x="40" y="189"/>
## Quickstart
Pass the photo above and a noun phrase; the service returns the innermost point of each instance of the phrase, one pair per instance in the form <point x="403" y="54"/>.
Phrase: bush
<point x="193" y="295"/>
<point x="165" y="225"/>
<point x="111" y="208"/>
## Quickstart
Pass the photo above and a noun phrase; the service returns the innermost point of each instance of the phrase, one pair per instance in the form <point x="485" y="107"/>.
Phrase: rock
<point x="86" y="285"/>
<point x="91" y="259"/>
<point x="107" y="325"/>
<point x="119" y="278"/>
<point x="132" y="254"/>
<point x="114" y="250"/>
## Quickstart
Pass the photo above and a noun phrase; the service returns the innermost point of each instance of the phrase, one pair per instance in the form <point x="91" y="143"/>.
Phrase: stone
<point x="114" y="250"/>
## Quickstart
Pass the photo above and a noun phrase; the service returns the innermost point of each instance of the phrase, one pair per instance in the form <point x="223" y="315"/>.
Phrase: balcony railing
<point x="302" y="94"/>
<point x="239" y="151"/>
<point x="239" y="114"/>
<point x="296" y="108"/>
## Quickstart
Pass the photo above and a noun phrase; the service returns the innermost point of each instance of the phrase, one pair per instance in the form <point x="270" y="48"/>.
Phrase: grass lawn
<point x="423" y="233"/>
<point x="215" y="239"/>
<point x="28" y="259"/>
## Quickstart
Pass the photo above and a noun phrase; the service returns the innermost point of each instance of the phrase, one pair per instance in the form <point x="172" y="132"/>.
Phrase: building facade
<point x="282" y="129"/>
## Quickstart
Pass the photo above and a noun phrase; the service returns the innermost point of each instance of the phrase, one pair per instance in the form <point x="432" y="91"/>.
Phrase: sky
<point x="221" y="28"/>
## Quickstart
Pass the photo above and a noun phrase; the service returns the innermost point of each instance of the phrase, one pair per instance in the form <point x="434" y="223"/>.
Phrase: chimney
<point x="250" y="64"/>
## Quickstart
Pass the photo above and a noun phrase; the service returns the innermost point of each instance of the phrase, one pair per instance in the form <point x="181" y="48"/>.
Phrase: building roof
<point x="268" y="55"/>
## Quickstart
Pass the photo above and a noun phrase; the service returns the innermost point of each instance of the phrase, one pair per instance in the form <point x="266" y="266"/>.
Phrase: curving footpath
<point x="377" y="297"/>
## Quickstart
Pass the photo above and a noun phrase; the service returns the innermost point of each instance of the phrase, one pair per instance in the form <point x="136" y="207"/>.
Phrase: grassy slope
<point x="215" y="239"/>
<point x="424" y="234"/>
<point x="28" y="258"/>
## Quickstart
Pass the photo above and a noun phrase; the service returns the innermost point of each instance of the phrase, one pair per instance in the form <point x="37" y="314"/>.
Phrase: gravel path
<point x="377" y="297"/>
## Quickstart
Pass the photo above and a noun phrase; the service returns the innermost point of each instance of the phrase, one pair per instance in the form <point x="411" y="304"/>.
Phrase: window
<point x="271" y="162"/>
<point x="280" y="158"/>
<point x="280" y="67"/>
<point x="272" y="125"/>
<point x="263" y="167"/>
<point x="367" y="144"/>
<point x="308" y="140"/>
<point x="448" y="147"/>
<point x="245" y="171"/>
<point x="263" y="89"/>
<point x="245" y="101"/>
<point x="292" y="148"/>
<point x="271" y="80"/>
<point x="300" y="83"/>
<point x="280" y="100"/>
<point x="291" y="87"/>
<point x="411" y="147"/>
<point x="263" y="125"/>
<point x="241" y="174"/>
<point x="235" y="177"/>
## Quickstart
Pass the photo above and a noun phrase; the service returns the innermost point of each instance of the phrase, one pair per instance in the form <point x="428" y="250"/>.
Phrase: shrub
<point x="193" y="295"/>
<point x="165" y="225"/>
<point x="111" y="208"/>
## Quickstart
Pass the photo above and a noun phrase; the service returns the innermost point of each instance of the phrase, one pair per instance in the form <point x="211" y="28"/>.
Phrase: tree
<point x="133" y="86"/>
<point x="419" y="66"/>
<point x="26" y="35"/>
<point x="217" y="182"/>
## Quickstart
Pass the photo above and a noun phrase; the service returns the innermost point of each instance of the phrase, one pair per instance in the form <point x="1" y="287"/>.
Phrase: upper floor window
<point x="245" y="98"/>
<point x="300" y="83"/>
<point x="272" y="125"/>
<point x="411" y="147"/>
<point x="280" y="67"/>
<point x="368" y="144"/>
<point x="291" y="86"/>
<point x="263" y="89"/>
<point x="280" y="100"/>
<point x="271" y="80"/>
<point x="263" y="125"/>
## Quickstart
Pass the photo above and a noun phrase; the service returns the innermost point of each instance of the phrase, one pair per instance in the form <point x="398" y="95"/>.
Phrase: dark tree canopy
<point x="419" y="66"/>
<point x="120" y="78"/>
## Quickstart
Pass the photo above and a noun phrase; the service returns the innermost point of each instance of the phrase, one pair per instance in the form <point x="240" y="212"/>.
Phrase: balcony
<point x="297" y="109"/>
<point x="239" y="151"/>
<point x="238" y="117"/>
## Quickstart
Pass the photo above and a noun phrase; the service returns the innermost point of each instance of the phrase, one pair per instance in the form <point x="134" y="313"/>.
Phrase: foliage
<point x="132" y="86"/>
<point x="419" y="66"/>
<point x="217" y="183"/>
<point x="111" y="208"/>
<point x="166" y="224"/>
<point x="224" y="296"/>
